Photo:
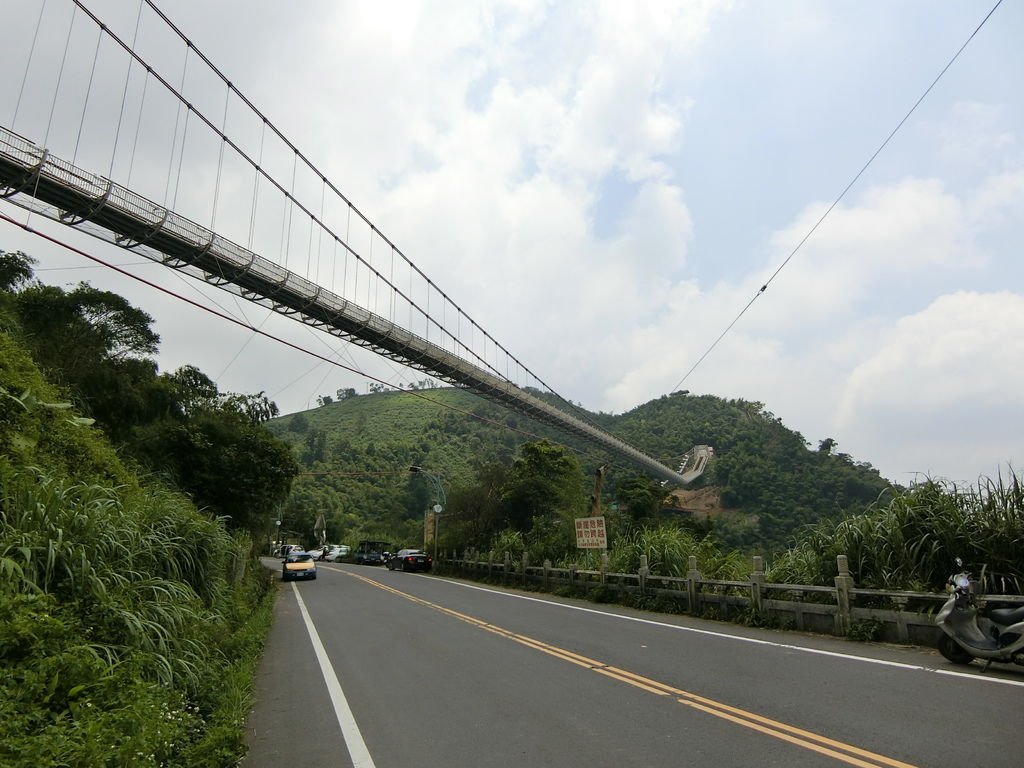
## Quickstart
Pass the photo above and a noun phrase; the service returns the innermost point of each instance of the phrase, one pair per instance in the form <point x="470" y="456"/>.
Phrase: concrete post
<point x="757" y="582"/>
<point x="693" y="578"/>
<point x="643" y="573"/>
<point x="844" y="583"/>
<point x="525" y="564"/>
<point x="604" y="567"/>
<point x="902" y="631"/>
<point x="508" y="568"/>
<point x="547" y="575"/>
<point x="490" y="563"/>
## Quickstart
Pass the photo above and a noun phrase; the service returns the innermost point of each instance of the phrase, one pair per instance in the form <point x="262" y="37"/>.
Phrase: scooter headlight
<point x="960" y="581"/>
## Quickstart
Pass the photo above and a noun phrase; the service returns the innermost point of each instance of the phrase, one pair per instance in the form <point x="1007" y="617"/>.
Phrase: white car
<point x="337" y="552"/>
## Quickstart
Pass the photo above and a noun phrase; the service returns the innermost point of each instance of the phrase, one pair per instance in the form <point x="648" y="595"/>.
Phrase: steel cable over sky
<point x="839" y="199"/>
<point x="36" y="180"/>
<point x="318" y="220"/>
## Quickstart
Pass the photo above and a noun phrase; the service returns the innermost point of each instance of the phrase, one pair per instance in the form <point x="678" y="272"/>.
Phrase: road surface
<point x="377" y="669"/>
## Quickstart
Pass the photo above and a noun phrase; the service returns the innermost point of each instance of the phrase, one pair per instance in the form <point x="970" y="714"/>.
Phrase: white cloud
<point x="539" y="162"/>
<point x="964" y="348"/>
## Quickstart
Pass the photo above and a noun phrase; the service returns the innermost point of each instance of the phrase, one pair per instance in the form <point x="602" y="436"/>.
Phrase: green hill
<point x="766" y="481"/>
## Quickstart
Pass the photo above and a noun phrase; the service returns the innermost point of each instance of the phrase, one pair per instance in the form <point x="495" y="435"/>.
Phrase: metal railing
<point x="34" y="179"/>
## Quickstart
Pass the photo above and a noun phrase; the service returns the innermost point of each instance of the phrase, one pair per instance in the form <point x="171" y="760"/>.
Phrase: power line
<point x="223" y="316"/>
<point x="838" y="199"/>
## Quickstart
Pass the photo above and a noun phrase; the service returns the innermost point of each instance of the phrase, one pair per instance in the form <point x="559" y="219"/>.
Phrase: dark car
<point x="410" y="560"/>
<point x="298" y="565"/>
<point x="371" y="552"/>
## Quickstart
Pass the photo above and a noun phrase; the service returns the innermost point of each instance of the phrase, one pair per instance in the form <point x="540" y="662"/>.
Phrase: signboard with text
<point x="590" y="533"/>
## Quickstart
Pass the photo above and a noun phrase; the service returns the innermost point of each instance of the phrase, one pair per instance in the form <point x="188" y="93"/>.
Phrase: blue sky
<point x="603" y="186"/>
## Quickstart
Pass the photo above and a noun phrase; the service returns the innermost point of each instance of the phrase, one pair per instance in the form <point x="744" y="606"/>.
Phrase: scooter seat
<point x="1006" y="616"/>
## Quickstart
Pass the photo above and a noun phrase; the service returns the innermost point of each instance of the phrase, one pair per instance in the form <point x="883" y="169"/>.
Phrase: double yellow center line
<point x="823" y="745"/>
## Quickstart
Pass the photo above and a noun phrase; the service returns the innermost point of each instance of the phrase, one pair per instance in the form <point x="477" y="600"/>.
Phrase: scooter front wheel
<point x="952" y="651"/>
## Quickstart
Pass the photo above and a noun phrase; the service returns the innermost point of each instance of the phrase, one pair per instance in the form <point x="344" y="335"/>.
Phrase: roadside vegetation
<point x="521" y="495"/>
<point x="131" y="619"/>
<point x="769" y="483"/>
<point x="132" y="501"/>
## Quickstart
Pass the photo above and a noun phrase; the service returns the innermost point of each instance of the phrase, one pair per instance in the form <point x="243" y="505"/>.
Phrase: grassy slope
<point x="128" y="632"/>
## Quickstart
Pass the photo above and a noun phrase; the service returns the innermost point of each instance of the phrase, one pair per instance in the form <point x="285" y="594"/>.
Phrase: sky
<point x="605" y="186"/>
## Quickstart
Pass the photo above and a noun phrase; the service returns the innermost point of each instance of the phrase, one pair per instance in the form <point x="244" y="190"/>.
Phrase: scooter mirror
<point x="959" y="563"/>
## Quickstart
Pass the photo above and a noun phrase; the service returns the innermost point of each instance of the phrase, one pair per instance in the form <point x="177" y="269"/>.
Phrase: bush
<point x="868" y="631"/>
<point x="123" y="640"/>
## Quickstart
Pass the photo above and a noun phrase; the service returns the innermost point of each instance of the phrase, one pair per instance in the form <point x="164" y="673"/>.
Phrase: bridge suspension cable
<point x="38" y="179"/>
<point x="66" y="193"/>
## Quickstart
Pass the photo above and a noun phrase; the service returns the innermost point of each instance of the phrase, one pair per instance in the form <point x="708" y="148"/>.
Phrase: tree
<point x="315" y="447"/>
<point x="474" y="512"/>
<point x="98" y="345"/>
<point x="544" y="481"/>
<point x="323" y="400"/>
<point x="643" y="496"/>
<point x="15" y="273"/>
<point x="227" y="464"/>
<point x="15" y="270"/>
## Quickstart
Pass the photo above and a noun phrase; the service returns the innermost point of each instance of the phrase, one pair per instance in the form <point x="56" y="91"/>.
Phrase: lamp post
<point x="440" y="498"/>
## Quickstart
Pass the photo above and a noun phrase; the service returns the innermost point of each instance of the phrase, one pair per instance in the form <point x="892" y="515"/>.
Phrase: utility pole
<point x="440" y="499"/>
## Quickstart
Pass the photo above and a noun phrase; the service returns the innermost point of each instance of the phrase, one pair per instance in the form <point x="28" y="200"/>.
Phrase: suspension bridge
<point x="385" y="304"/>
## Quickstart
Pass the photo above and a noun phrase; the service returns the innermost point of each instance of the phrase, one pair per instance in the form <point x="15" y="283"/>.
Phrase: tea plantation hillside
<point x="356" y="453"/>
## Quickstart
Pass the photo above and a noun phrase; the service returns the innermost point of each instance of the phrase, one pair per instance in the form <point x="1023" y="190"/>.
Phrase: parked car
<point x="287" y="549"/>
<point x="410" y="560"/>
<point x="337" y="552"/>
<point x="371" y="552"/>
<point x="298" y="565"/>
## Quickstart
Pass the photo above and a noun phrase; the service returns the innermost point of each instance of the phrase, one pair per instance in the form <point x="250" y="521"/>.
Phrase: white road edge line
<point x="754" y="640"/>
<point x="349" y="730"/>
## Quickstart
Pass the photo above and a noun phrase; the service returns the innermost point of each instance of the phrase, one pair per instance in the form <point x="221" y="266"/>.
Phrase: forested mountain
<point x="356" y="453"/>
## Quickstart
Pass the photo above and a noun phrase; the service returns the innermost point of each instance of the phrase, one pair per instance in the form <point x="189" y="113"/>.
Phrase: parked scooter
<point x="970" y="631"/>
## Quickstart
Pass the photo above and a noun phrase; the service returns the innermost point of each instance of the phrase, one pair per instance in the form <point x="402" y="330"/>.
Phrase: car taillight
<point x="410" y="559"/>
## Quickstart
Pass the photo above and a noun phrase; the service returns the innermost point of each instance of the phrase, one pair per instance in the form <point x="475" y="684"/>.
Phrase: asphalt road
<point x="366" y="667"/>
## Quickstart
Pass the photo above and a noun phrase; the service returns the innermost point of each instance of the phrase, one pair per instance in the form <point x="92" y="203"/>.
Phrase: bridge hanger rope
<point x="85" y="107"/>
<point x="227" y="317"/>
<point x="301" y="156"/>
<point x="352" y="207"/>
<point x="190" y="109"/>
<point x="124" y="92"/>
<point x="28" y="63"/>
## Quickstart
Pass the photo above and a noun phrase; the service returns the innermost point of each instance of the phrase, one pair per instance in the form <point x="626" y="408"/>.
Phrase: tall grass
<point x="912" y="542"/>
<point x="118" y="618"/>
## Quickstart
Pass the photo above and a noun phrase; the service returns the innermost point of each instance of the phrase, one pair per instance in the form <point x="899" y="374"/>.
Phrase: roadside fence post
<point x="524" y="566"/>
<point x="693" y="577"/>
<point x="604" y="567"/>
<point x="844" y="583"/>
<point x="508" y="568"/>
<point x="490" y="563"/>
<point x="902" y="631"/>
<point x="757" y="582"/>
<point x="547" y="575"/>
<point x="643" y="573"/>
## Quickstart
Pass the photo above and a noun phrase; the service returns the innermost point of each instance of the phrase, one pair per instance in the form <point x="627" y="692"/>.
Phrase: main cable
<point x="416" y="393"/>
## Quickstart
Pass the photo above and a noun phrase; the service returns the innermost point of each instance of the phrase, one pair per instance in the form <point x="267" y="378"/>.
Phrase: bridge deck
<point x="32" y="178"/>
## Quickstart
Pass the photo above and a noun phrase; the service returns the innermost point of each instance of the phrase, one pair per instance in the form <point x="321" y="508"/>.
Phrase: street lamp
<point x="440" y="498"/>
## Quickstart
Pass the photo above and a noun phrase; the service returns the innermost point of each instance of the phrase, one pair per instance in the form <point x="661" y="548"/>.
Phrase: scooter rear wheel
<point x="949" y="648"/>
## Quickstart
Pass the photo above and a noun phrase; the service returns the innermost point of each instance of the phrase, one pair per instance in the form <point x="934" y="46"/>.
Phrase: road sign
<point x="590" y="533"/>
